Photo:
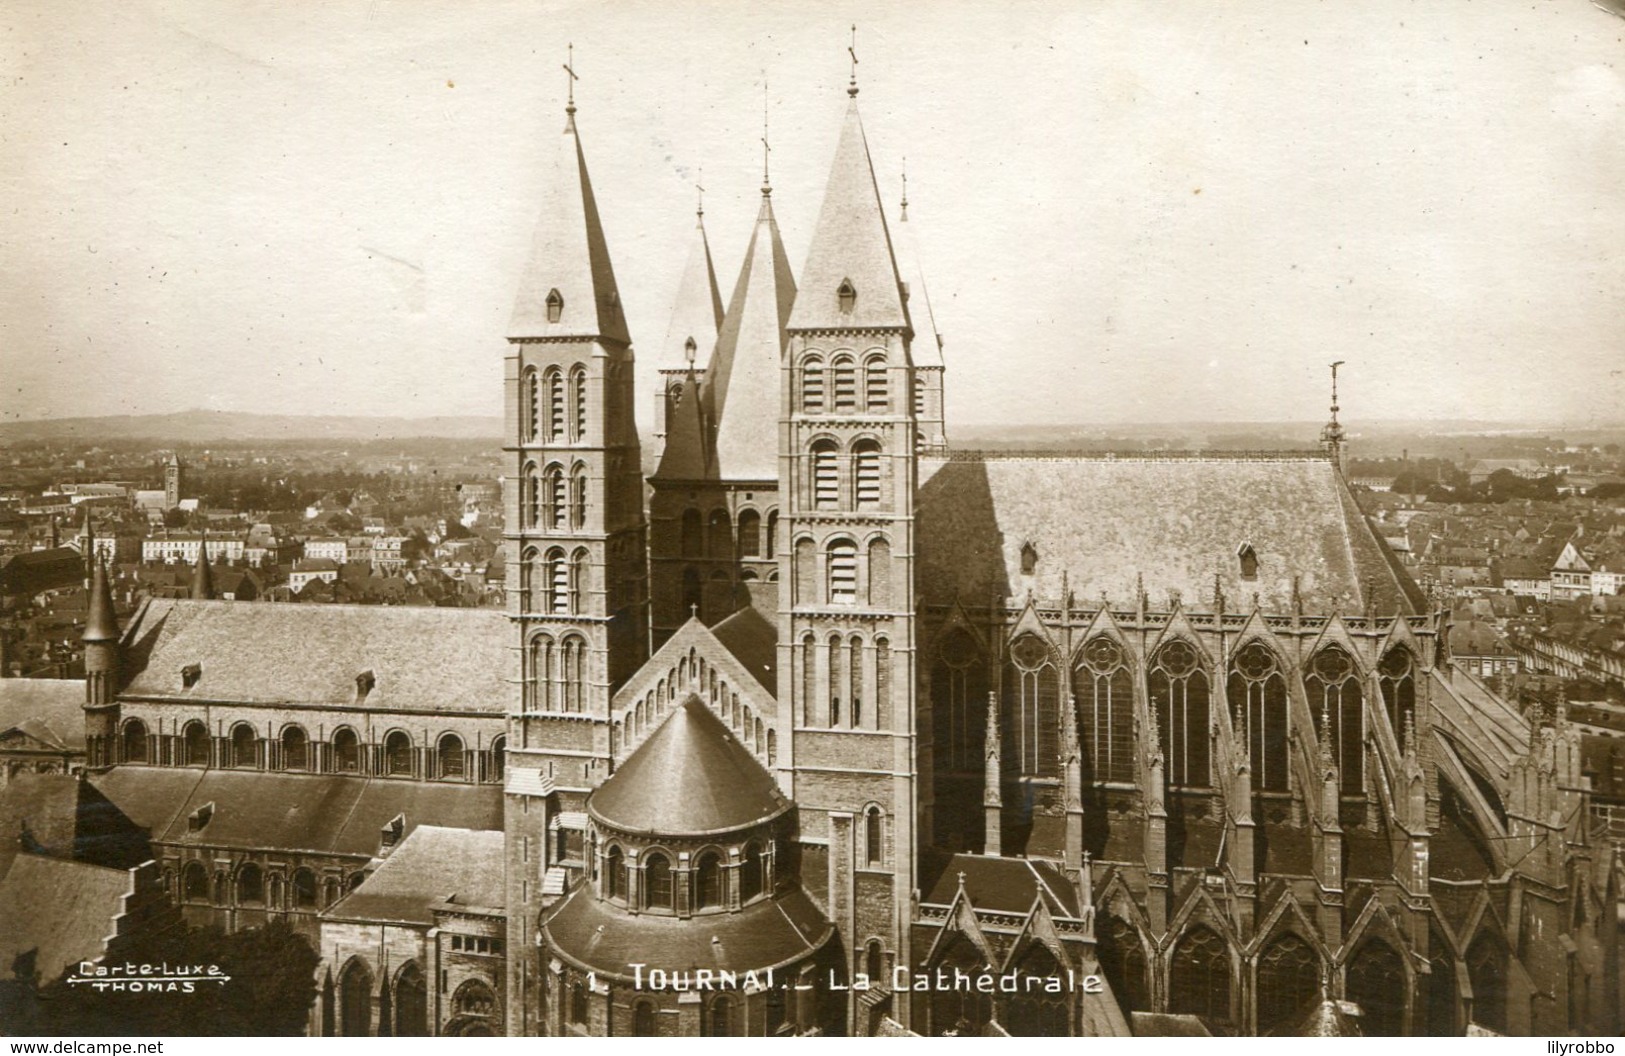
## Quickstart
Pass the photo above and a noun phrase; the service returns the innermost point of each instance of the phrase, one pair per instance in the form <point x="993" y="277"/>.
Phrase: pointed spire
<point x="687" y="454"/>
<point x="568" y="289"/>
<point x="697" y="310"/>
<point x="1332" y="436"/>
<point x="742" y="382"/>
<point x="852" y="85"/>
<point x="202" y="577"/>
<point x="993" y="776"/>
<point x="926" y="350"/>
<point x="101" y="623"/>
<point x="851" y="247"/>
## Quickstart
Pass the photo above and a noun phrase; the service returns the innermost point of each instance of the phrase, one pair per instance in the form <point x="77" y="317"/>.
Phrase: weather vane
<point x="852" y="50"/>
<point x="569" y="67"/>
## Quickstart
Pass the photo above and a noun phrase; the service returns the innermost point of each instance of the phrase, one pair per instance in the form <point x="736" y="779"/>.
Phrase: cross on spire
<point x="767" y="149"/>
<point x="905" y="188"/>
<point x="569" y="68"/>
<point x="699" y="187"/>
<point x="852" y="50"/>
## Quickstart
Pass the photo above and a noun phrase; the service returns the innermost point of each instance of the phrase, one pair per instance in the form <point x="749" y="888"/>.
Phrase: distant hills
<point x="198" y="427"/>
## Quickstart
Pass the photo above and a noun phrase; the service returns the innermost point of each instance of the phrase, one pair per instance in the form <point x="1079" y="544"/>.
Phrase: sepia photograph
<point x="1060" y="518"/>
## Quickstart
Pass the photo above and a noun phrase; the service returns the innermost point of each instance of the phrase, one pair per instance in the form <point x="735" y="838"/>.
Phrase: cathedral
<point x="807" y="722"/>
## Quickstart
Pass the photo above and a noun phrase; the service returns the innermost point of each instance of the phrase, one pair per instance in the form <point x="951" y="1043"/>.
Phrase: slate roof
<point x="690" y="777"/>
<point x="742" y="383"/>
<point x="47" y="710"/>
<point x="431" y="865"/>
<point x="767" y="933"/>
<point x="1177" y="522"/>
<point x="1006" y="885"/>
<point x="326" y="814"/>
<point x="850" y="241"/>
<point x="753" y="639"/>
<point x="926" y="350"/>
<point x="697" y="309"/>
<point x="423" y="659"/>
<point x="568" y="253"/>
<point x="33" y="571"/>
<point x="62" y="910"/>
<point x="49" y="805"/>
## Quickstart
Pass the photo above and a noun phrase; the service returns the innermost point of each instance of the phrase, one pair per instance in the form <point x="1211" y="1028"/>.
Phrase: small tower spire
<point x="852" y="50"/>
<point x="202" y="577"/>
<point x="1332" y="437"/>
<point x="101" y="624"/>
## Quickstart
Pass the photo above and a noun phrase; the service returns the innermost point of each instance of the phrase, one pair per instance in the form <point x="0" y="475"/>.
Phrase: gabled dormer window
<point x="846" y="295"/>
<point x="1029" y="559"/>
<point x="190" y="675"/>
<point x="1249" y="560"/>
<point x="364" y="683"/>
<point x="555" y="305"/>
<point x="690" y="349"/>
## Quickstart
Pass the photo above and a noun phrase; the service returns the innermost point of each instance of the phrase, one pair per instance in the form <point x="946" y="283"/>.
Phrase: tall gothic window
<point x="812" y="385"/>
<point x="1032" y="708"/>
<point x="1398" y="692"/>
<point x="866" y="474"/>
<point x="750" y="534"/>
<point x="826" y="475"/>
<point x="844" y="385"/>
<point x="959" y="695"/>
<point x="1104" y="691"/>
<point x="1199" y="976"/>
<point x="843" y="572"/>
<point x="873" y="837"/>
<point x="1487" y="971"/>
<point x="1258" y="696"/>
<point x="1376" y="982"/>
<point x="1179" y="700"/>
<point x="875" y="393"/>
<point x="1288" y="981"/>
<point x="1333" y="688"/>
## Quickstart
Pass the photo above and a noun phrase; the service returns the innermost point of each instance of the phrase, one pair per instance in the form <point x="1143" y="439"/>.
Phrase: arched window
<point x="355" y="1001"/>
<point x="541" y="673"/>
<point x="532" y="398"/>
<point x="1398" y="693"/>
<point x="752" y="870"/>
<point x="959" y="697"/>
<point x="1333" y="688"/>
<point x="578" y="1003"/>
<point x="1122" y="959"/>
<point x="578" y="580"/>
<point x="708" y="881"/>
<point x="346" y="751"/>
<point x="843" y="572"/>
<point x="657" y="892"/>
<point x="196" y="748"/>
<point x="806" y="572"/>
<point x="1104" y="692"/>
<point x="1258" y="697"/>
<point x="195" y="882"/>
<point x="882" y="683"/>
<point x="578" y="498"/>
<point x="574" y="652"/>
<point x="555" y="498"/>
<point x="1199" y="976"/>
<point x="837" y="681"/>
<point x="772" y="748"/>
<point x="1441" y="988"/>
<point x="750" y="533"/>
<point x="555" y="405"/>
<point x="866" y="474"/>
<point x="615" y="873"/>
<point x="295" y="749"/>
<point x="876" y="396"/>
<point x="304" y="889"/>
<point x="1179" y="701"/>
<point x="691" y="534"/>
<point x="812" y="385"/>
<point x="844" y="385"/>
<point x="411" y="1002"/>
<point x="499" y="757"/>
<point x="826" y="475"/>
<point x="558" y="582"/>
<point x="243" y="745"/>
<point x="530" y="578"/>
<point x="398" y="754"/>
<point x="1376" y="982"/>
<point x="250" y="884"/>
<point x="873" y="836"/>
<point x="1032" y="706"/>
<point x="1288" y="981"/>
<point x="719" y="536"/>
<point x="578" y="396"/>
<point x="1487" y="972"/>
<point x="855" y="680"/>
<point x="717" y="1022"/>
<point x="530" y="493"/>
<point x="449" y="756"/>
<point x="873" y="960"/>
<point x="643" y="1019"/>
<point x="135" y="741"/>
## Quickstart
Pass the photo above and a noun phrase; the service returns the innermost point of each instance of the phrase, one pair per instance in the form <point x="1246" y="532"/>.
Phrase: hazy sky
<point x="1128" y="211"/>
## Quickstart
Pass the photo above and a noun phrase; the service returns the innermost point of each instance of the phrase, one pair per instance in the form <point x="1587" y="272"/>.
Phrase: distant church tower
<point x="575" y="539"/>
<point x="847" y="476"/>
<point x="173" y="476"/>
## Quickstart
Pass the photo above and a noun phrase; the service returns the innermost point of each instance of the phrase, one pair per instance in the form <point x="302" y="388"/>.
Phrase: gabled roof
<point x="63" y="911"/>
<point x="423" y="659"/>
<point x="1177" y="522"/>
<point x="690" y="777"/>
<point x="568" y="254"/>
<point x="850" y="243"/>
<point x="742" y="384"/>
<point x="687" y="454"/>
<point x="1006" y="885"/>
<point x="753" y="639"/>
<point x="45" y="710"/>
<point x="697" y="311"/>
<point x="431" y="865"/>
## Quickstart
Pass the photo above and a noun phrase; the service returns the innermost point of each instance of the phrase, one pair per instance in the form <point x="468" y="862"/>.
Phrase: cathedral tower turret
<point x="101" y="640"/>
